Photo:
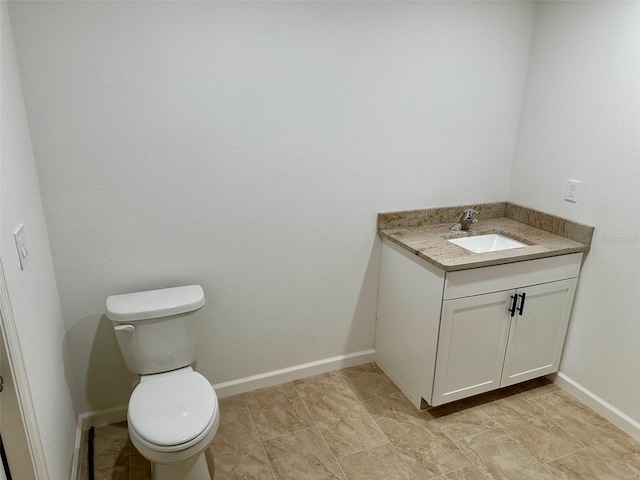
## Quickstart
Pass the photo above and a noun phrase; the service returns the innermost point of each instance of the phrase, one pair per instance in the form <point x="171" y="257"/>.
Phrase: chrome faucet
<point x="466" y="220"/>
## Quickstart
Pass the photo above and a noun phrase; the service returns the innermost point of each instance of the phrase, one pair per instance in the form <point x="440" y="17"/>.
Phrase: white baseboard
<point x="600" y="406"/>
<point x="99" y="418"/>
<point x="77" y="453"/>
<point x="95" y="418"/>
<point x="276" y="377"/>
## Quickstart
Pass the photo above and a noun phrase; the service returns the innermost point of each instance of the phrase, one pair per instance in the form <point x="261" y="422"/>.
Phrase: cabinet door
<point x="471" y="346"/>
<point x="536" y="336"/>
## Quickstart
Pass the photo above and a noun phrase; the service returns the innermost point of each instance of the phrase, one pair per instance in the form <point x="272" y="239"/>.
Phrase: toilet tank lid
<point x="130" y="307"/>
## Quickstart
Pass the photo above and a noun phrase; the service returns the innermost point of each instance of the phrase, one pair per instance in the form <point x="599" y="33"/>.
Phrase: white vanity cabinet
<point x="442" y="336"/>
<point x="501" y="338"/>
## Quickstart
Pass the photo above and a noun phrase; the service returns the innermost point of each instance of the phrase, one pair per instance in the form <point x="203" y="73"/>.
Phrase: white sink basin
<point x="492" y="242"/>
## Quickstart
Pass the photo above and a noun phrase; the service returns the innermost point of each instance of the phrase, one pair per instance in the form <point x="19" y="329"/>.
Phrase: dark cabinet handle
<point x="512" y="310"/>
<point x="523" y="295"/>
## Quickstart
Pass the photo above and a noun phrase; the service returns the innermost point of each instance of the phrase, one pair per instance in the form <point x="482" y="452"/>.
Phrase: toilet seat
<point x="172" y="411"/>
<point x="175" y="453"/>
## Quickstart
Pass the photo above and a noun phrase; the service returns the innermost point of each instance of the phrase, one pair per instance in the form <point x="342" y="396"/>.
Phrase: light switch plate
<point x="21" y="245"/>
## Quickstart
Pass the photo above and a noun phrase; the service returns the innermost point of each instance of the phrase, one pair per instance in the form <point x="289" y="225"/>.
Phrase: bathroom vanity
<point x="453" y="323"/>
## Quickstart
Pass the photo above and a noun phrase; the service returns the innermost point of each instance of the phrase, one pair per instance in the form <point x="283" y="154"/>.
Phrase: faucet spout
<point x="466" y="220"/>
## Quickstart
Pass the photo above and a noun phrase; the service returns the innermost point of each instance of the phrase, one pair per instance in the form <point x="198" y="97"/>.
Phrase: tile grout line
<point x="287" y="433"/>
<point x="336" y="458"/>
<point x="461" y="468"/>
<point x="315" y="424"/>
<point x="567" y="455"/>
<point x="372" y="419"/>
<point x="505" y="430"/>
<point x="390" y="442"/>
<point x="560" y="427"/>
<point x="471" y="462"/>
<point x="607" y="422"/>
<point x="430" y="418"/>
<point x="468" y="436"/>
<point x="537" y="396"/>
<point x="364" y="449"/>
<point x="285" y="408"/>
<point x="455" y="442"/>
<point x="541" y="414"/>
<point x="517" y="443"/>
<point x="538" y="411"/>
<point x="253" y="422"/>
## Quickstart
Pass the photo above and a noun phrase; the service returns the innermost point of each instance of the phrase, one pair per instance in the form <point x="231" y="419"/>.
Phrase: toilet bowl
<point x="173" y="412"/>
<point x="173" y="418"/>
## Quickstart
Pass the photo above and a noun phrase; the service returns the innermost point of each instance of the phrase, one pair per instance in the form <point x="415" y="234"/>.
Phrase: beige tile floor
<point x="354" y="424"/>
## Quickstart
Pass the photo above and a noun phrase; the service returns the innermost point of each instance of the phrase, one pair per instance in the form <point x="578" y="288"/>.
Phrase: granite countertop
<point x="426" y="233"/>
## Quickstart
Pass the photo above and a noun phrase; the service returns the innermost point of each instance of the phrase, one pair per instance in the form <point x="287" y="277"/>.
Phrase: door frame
<point x="30" y="432"/>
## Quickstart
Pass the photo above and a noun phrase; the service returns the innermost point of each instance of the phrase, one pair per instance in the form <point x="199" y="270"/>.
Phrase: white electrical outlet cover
<point x="571" y="195"/>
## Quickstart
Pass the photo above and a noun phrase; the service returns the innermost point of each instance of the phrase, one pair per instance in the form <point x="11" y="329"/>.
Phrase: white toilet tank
<point x="156" y="329"/>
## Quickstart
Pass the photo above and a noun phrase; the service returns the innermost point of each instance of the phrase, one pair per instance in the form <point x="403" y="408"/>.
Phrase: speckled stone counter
<point x="426" y="234"/>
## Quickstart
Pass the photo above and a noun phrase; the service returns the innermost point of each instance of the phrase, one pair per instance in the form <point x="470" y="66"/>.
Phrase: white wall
<point x="33" y="292"/>
<point x="248" y="147"/>
<point x="581" y="120"/>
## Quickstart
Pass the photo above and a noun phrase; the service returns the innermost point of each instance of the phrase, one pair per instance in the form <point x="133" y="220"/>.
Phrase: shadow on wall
<point x="69" y="372"/>
<point x="107" y="379"/>
<point x="94" y="360"/>
<point x="362" y="332"/>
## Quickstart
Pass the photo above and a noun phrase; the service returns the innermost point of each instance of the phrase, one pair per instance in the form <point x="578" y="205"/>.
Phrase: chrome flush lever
<point x="124" y="328"/>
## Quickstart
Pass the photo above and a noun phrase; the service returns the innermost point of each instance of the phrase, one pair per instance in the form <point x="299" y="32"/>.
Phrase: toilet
<point x="173" y="412"/>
